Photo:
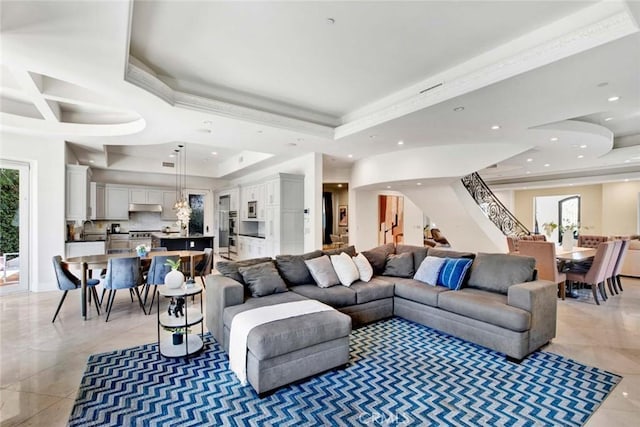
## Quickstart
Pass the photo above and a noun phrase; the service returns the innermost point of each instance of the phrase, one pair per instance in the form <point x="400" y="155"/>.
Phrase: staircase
<point x="492" y="207"/>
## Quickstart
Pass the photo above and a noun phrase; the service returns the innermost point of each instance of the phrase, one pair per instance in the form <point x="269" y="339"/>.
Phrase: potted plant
<point x="142" y="250"/>
<point x="174" y="279"/>
<point x="549" y="228"/>
<point x="177" y="334"/>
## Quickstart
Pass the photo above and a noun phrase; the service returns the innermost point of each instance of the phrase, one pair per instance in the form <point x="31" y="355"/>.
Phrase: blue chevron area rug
<point x="400" y="373"/>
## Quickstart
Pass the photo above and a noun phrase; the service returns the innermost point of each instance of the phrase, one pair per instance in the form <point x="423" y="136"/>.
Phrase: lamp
<point x="182" y="208"/>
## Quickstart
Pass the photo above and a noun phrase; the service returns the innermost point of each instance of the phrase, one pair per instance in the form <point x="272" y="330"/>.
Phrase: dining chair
<point x="596" y="274"/>
<point x="615" y="257"/>
<point x="590" y="241"/>
<point x="617" y="283"/>
<point x="156" y="274"/>
<point x="336" y="241"/>
<point x="512" y="243"/>
<point x="67" y="281"/>
<point x="122" y="273"/>
<point x="159" y="249"/>
<point x="546" y="261"/>
<point x="203" y="268"/>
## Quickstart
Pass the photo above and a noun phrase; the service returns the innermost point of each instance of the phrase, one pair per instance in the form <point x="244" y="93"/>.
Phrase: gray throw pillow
<point x="230" y="268"/>
<point x="350" y="250"/>
<point x="445" y="253"/>
<point x="322" y="271"/>
<point x="419" y="253"/>
<point x="378" y="256"/>
<point x="293" y="269"/>
<point x="399" y="265"/>
<point x="263" y="279"/>
<point x="496" y="272"/>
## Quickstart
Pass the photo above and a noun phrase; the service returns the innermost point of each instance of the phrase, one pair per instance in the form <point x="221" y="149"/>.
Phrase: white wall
<point x="46" y="158"/>
<point x="309" y="165"/>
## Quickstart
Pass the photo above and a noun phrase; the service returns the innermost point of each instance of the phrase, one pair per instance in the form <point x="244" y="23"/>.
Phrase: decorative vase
<point x="177" y="339"/>
<point x="174" y="279"/>
<point x="567" y="241"/>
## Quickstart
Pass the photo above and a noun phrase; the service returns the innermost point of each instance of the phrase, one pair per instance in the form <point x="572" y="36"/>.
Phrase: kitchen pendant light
<point x="182" y="208"/>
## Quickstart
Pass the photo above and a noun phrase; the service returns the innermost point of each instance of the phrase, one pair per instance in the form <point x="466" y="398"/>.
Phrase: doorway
<point x="14" y="227"/>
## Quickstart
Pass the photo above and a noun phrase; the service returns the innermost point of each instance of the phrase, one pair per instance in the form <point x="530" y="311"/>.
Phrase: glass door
<point x="14" y="226"/>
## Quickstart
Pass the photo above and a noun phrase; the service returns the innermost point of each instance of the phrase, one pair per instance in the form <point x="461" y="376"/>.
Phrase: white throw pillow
<point x="429" y="269"/>
<point x="345" y="268"/>
<point x="364" y="267"/>
<point x="322" y="271"/>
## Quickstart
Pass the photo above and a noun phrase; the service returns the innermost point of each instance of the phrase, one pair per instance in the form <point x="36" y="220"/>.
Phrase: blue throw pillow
<point x="453" y="271"/>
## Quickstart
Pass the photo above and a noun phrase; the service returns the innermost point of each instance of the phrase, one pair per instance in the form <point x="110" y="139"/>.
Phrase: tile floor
<point x="41" y="363"/>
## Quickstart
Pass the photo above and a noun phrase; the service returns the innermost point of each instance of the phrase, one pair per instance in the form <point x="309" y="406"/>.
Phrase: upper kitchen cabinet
<point x="167" y="202"/>
<point x="97" y="200"/>
<point x="252" y="193"/>
<point x="145" y="196"/>
<point x="116" y="202"/>
<point x="77" y="193"/>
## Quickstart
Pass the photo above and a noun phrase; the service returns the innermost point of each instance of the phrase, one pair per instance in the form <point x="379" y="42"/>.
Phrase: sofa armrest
<point x="222" y="292"/>
<point x="540" y="298"/>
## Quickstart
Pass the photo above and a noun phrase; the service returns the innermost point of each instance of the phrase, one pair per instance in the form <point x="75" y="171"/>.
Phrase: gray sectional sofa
<point x="500" y="306"/>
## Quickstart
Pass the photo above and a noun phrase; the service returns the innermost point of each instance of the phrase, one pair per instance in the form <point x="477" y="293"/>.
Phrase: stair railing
<point x="493" y="207"/>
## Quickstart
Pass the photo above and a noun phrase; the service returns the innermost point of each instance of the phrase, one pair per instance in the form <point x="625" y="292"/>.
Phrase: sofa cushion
<point x="345" y="268"/>
<point x="375" y="289"/>
<point x="251" y="303"/>
<point x="445" y="253"/>
<point x="417" y="291"/>
<point x="322" y="271"/>
<point x="488" y="307"/>
<point x="496" y="272"/>
<point x="335" y="296"/>
<point x="378" y="256"/>
<point x="293" y="269"/>
<point x="429" y="269"/>
<point x="419" y="253"/>
<point x="364" y="268"/>
<point x="454" y="272"/>
<point x="263" y="279"/>
<point x="351" y="250"/>
<point x="399" y="265"/>
<point x="230" y="268"/>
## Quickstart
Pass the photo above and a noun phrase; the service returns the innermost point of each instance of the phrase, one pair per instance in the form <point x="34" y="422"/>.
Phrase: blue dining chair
<point x="156" y="274"/>
<point x="122" y="273"/>
<point x="67" y="282"/>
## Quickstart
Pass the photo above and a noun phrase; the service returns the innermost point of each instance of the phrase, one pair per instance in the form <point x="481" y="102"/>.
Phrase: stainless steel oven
<point x="252" y="209"/>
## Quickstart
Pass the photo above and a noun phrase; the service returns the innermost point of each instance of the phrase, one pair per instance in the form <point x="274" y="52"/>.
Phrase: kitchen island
<point x="176" y="242"/>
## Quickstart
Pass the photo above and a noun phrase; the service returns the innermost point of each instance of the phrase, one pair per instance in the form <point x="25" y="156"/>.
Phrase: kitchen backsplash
<point x="137" y="221"/>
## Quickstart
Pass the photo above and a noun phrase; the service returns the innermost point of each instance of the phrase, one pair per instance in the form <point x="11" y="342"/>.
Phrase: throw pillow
<point x="293" y="269"/>
<point x="419" y="253"/>
<point x="322" y="271"/>
<point x="429" y="270"/>
<point x="364" y="268"/>
<point x="377" y="257"/>
<point x="345" y="268"/>
<point x="230" y="268"/>
<point x="447" y="253"/>
<point x="496" y="272"/>
<point x="351" y="250"/>
<point x="263" y="279"/>
<point x="399" y="265"/>
<point x="453" y="272"/>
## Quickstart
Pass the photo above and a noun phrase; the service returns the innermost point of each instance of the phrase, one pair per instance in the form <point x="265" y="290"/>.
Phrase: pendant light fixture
<point x="182" y="208"/>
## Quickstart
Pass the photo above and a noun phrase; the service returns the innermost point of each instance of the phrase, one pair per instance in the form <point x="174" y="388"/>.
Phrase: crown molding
<point x="516" y="57"/>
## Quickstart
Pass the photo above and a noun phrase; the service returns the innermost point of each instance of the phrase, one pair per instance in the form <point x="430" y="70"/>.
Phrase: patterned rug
<point x="400" y="373"/>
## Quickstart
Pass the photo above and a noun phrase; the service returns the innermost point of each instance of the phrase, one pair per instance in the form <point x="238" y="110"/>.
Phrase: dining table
<point x="98" y="262"/>
<point x="576" y="254"/>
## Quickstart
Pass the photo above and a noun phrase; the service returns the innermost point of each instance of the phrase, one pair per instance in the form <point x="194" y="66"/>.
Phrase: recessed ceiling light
<point x="570" y="185"/>
<point x="608" y="119"/>
<point x="331" y="21"/>
<point x="400" y="142"/>
<point x="603" y="84"/>
<point x="528" y="172"/>
<point x="259" y="131"/>
<point x="418" y="183"/>
<point x="350" y="156"/>
<point x="388" y="186"/>
<point x="627" y="161"/>
<point x="339" y="185"/>
<point x="613" y="98"/>
<point x="172" y="155"/>
<point x="372" y="136"/>
<point x="583" y="146"/>
<point x="292" y="144"/>
<point x="553" y="139"/>
<point x="215" y="153"/>
<point x="626" y="180"/>
<point x="495" y="127"/>
<point x="580" y="156"/>
<point x="92" y="161"/>
<point x="546" y="165"/>
<point x="458" y="109"/>
<point x="529" y="160"/>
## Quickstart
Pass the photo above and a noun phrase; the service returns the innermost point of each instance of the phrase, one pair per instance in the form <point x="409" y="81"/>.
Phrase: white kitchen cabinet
<point x="116" y="202"/>
<point x="97" y="200"/>
<point x="272" y="188"/>
<point x="77" y="207"/>
<point x="168" y="201"/>
<point x="146" y="196"/>
<point x="253" y="193"/>
<point x="73" y="249"/>
<point x="284" y="221"/>
<point x="234" y="199"/>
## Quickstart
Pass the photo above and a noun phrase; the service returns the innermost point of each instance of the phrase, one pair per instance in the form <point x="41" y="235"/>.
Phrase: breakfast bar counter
<point x="176" y="242"/>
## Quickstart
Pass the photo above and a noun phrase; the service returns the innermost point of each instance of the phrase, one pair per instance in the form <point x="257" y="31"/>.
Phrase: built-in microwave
<point x="252" y="210"/>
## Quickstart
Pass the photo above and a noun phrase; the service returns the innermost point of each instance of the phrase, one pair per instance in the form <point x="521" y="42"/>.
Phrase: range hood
<point x="144" y="207"/>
